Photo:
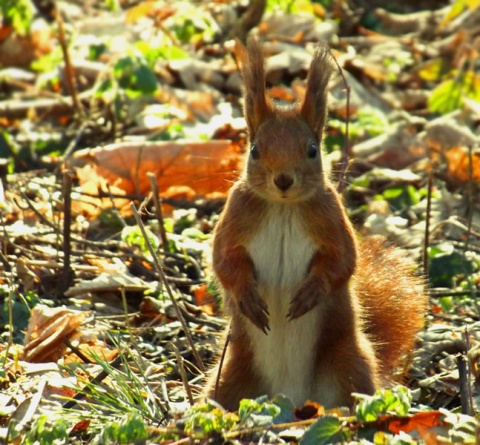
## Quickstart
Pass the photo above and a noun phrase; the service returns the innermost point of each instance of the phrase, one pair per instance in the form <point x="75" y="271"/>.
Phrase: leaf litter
<point x="155" y="90"/>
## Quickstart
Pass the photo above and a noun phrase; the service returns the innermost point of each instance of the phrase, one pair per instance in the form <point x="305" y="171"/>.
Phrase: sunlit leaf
<point x="327" y="429"/>
<point x="448" y="96"/>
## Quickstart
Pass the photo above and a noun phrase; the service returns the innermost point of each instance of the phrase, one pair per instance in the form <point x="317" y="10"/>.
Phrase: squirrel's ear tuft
<point x="314" y="107"/>
<point x="251" y="64"/>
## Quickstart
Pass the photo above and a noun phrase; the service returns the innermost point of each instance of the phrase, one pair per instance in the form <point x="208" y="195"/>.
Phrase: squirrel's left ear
<point x="250" y="61"/>
<point x="314" y="106"/>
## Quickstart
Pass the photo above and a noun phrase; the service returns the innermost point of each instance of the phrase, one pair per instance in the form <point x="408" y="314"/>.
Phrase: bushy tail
<point x="393" y="298"/>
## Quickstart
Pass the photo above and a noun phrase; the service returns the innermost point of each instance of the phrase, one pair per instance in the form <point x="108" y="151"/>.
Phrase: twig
<point x="183" y="374"/>
<point x="464" y="382"/>
<point x="470" y="202"/>
<point x="449" y="293"/>
<point x="158" y="209"/>
<point x="346" y="144"/>
<point x="69" y="75"/>
<point x="74" y="143"/>
<point x="426" y="241"/>
<point x="161" y="274"/>
<point x="77" y="351"/>
<point x="68" y="274"/>
<point x="222" y="359"/>
<point x="114" y="207"/>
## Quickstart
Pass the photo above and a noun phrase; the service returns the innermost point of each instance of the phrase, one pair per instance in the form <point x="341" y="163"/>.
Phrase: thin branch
<point x="220" y="365"/>
<point x="162" y="276"/>
<point x="68" y="274"/>
<point x="426" y="241"/>
<point x="183" y="374"/>
<point x="158" y="209"/>
<point x="69" y="72"/>
<point x="346" y="144"/>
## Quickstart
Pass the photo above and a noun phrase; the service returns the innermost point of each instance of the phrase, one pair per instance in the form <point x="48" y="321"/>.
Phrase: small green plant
<point x="46" y="431"/>
<point x="447" y="263"/>
<point x="16" y="310"/>
<point x="191" y="24"/>
<point x="369" y="122"/>
<point x="207" y="418"/>
<point x="449" y="95"/>
<point x="385" y="401"/>
<point x="133" y="235"/>
<point x="258" y="411"/>
<point x="130" y="429"/>
<point x="18" y="14"/>
<point x="401" y="197"/>
<point x="134" y="75"/>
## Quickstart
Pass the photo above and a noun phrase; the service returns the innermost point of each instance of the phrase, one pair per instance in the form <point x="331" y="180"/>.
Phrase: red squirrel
<point x="315" y="314"/>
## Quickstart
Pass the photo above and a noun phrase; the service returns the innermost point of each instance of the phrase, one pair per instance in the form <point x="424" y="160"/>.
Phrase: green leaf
<point x="258" y="412"/>
<point x="385" y="401"/>
<point x="133" y="235"/>
<point x="449" y="95"/>
<point x="135" y="76"/>
<point x="446" y="263"/>
<point x="208" y="418"/>
<point x="326" y="430"/>
<point x="287" y="409"/>
<point x="18" y="13"/>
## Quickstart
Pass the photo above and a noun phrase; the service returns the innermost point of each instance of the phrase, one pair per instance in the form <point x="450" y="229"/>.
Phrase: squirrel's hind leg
<point x="238" y="379"/>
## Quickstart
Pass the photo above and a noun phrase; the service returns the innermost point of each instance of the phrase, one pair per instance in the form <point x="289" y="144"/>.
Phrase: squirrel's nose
<point x="283" y="181"/>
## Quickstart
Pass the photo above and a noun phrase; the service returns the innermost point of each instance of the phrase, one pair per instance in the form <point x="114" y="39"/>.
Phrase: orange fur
<point x="303" y="322"/>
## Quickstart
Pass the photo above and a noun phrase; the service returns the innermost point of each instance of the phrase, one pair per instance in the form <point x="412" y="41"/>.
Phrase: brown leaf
<point x="205" y="167"/>
<point x="47" y="331"/>
<point x="310" y="410"/>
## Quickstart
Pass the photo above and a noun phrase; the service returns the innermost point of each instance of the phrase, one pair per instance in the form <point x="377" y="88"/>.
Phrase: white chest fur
<point x="282" y="252"/>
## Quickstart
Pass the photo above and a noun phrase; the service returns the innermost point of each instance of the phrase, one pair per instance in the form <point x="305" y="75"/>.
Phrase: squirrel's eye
<point x="254" y="152"/>
<point x="312" y="151"/>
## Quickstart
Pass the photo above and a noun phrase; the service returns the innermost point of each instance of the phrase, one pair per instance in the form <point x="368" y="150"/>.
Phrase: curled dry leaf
<point x="47" y="331"/>
<point x="107" y="282"/>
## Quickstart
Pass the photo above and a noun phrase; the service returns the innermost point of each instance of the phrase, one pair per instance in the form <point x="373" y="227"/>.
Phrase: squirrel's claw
<point x="303" y="301"/>
<point x="256" y="310"/>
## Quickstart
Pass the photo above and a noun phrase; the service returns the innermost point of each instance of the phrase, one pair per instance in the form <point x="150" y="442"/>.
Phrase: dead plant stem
<point x="162" y="276"/>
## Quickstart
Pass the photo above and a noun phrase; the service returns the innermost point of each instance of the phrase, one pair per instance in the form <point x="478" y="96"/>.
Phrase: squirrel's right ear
<point x="314" y="107"/>
<point x="251" y="64"/>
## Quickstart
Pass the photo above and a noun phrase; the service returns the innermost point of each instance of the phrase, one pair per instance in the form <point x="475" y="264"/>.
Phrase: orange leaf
<point x="204" y="299"/>
<point x="458" y="164"/>
<point x="205" y="167"/>
<point x="418" y="421"/>
<point x="310" y="410"/>
<point x="81" y="426"/>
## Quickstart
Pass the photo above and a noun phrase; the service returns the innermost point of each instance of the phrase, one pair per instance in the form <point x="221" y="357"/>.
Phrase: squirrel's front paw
<point x="255" y="309"/>
<point x="305" y="299"/>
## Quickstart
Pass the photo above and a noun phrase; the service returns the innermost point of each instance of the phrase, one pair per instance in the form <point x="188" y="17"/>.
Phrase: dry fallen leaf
<point x="417" y="421"/>
<point x="47" y="331"/>
<point x="204" y="167"/>
<point x="458" y="164"/>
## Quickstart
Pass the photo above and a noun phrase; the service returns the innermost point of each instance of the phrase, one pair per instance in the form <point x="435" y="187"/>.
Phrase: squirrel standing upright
<point x="315" y="315"/>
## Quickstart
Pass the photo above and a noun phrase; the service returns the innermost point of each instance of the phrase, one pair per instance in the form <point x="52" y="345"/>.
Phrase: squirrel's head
<point x="284" y="155"/>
